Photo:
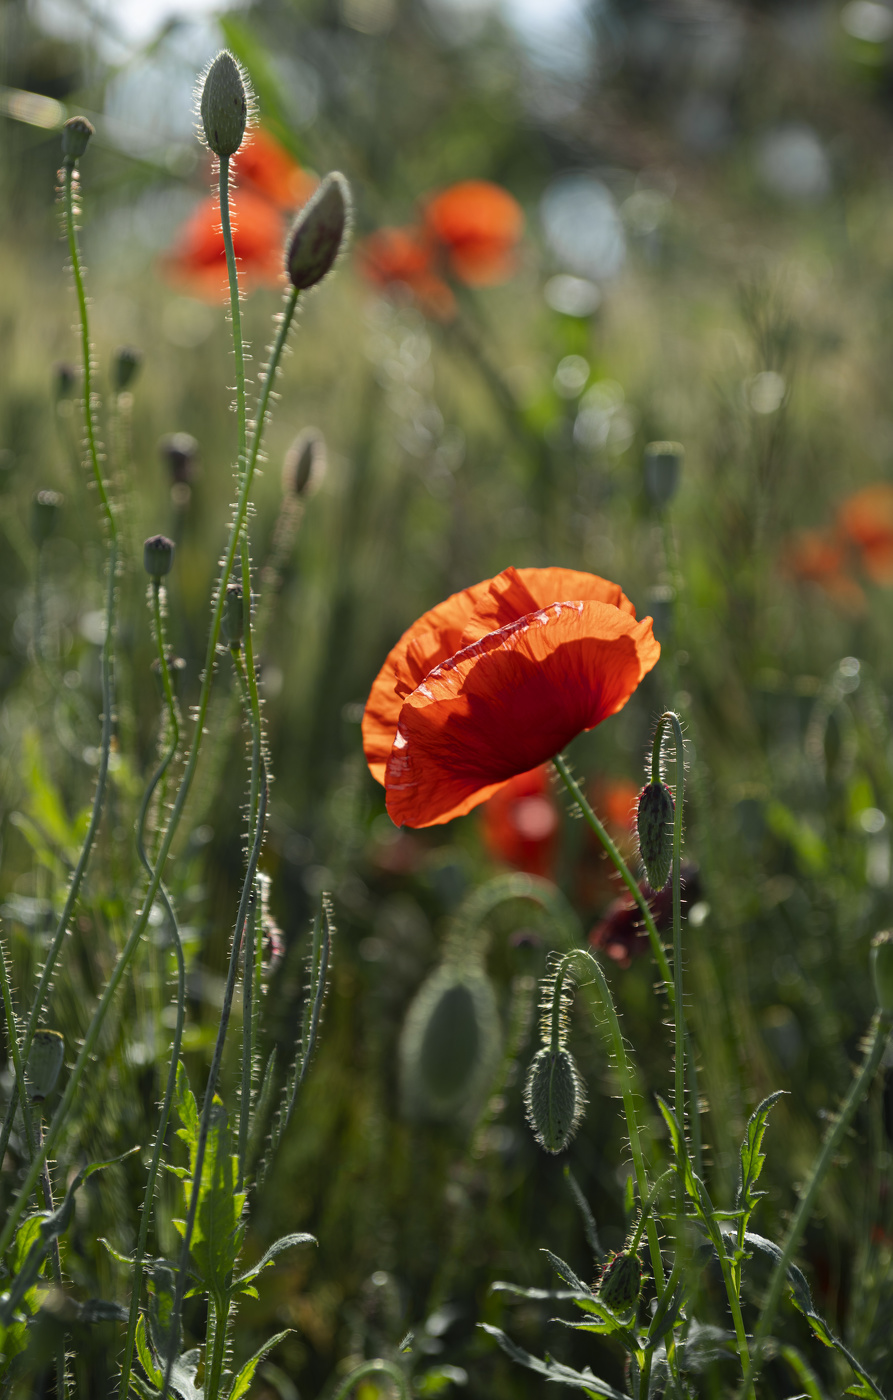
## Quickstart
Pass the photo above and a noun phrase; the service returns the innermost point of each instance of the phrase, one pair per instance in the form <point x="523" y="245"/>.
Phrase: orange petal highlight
<point x="197" y="261"/>
<point x="403" y="256"/>
<point x="479" y="224"/>
<point x="519" y="823"/>
<point x="510" y="702"/>
<point x="866" y="519"/>
<point x="266" y="166"/>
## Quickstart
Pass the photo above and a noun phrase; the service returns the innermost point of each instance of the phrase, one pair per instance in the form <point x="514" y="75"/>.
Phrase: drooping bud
<point x="44" y="515"/>
<point x="158" y="556"/>
<point x="318" y="233"/>
<point x="224" y="105"/>
<point x="126" y="364"/>
<point x="621" y="1282"/>
<point x="233" y="622"/>
<point x="449" y="1046"/>
<point x="76" y="135"/>
<point x="554" y="1097"/>
<point x="663" y="467"/>
<point x="65" y="379"/>
<point x="180" y="452"/>
<point x="44" y="1063"/>
<point x="305" y="464"/>
<point x="882" y="970"/>
<point x="654" y="823"/>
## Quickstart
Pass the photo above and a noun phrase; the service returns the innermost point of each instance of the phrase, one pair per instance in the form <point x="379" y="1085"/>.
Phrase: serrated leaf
<point x="539" y="1294"/>
<point x="286" y="1242"/>
<point x="607" y="1325"/>
<point x="161" y="1284"/>
<point x="553" y="1370"/>
<point x="187" y="1110"/>
<point x="148" y="1362"/>
<point x="217" y="1235"/>
<point x="242" y="1382"/>
<point x="680" y="1152"/>
<point x="752" y="1155"/>
<point x="116" y="1253"/>
<point x="565" y="1271"/>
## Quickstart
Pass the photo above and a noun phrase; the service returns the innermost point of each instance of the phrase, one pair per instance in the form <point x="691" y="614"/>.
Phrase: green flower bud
<point x="621" y="1282"/>
<point x="305" y="463"/>
<point x="663" y="466"/>
<point x="44" y="1063"/>
<point x="125" y="367"/>
<point x="318" y="233"/>
<point x="76" y="134"/>
<point x="554" y="1097"/>
<point x="233" y="622"/>
<point x="158" y="556"/>
<point x="224" y="105"/>
<point x="44" y="515"/>
<point x="449" y="1046"/>
<point x="654" y="823"/>
<point x="882" y="970"/>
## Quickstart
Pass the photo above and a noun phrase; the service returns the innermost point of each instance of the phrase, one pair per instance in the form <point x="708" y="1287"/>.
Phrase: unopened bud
<point x="663" y="467"/>
<point x="233" y="621"/>
<point x="180" y="452"/>
<point x="65" y="380"/>
<point x="305" y="463"/>
<point x="76" y="135"/>
<point x="318" y="233"/>
<point x="654" y="824"/>
<point x="158" y="556"/>
<point x="882" y="970"/>
<point x="125" y="367"/>
<point x="44" y="515"/>
<point x="621" y="1282"/>
<point x="554" y="1097"/>
<point x="224" y="105"/>
<point x="43" y="1065"/>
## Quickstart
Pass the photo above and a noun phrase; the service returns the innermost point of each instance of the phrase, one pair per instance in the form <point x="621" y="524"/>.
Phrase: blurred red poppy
<point x="519" y="823"/>
<point x="479" y="224"/>
<point x="495" y="681"/>
<point x="866" y="520"/>
<point x="818" y="556"/>
<point x="197" y="261"/>
<point x="621" y="933"/>
<point x="266" y="166"/>
<point x="403" y="256"/>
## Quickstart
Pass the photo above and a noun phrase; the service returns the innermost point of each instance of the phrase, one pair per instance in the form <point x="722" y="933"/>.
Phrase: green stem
<point x="623" y="871"/>
<point x="211" y="1388"/>
<point x="374" y="1368"/>
<point x="236" y="313"/>
<point x="881" y="1026"/>
<point x="170" y="1088"/>
<point x="249" y="970"/>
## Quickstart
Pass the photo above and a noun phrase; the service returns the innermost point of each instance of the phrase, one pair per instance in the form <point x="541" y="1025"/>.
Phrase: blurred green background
<point x="708" y="258"/>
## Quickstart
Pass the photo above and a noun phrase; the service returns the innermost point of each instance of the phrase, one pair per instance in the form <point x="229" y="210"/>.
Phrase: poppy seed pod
<point x="44" y="515"/>
<point x="158" y="556"/>
<point x="449" y="1046"/>
<point x="554" y="1097"/>
<point x="654" y="824"/>
<point x="663" y="467"/>
<point x="224" y="105"/>
<point x="882" y="970"/>
<point x="125" y="367"/>
<point x="305" y="463"/>
<point x="76" y="135"/>
<point x="621" y="1282"/>
<point x="233" y="621"/>
<point x="44" y="1063"/>
<point x="318" y="233"/>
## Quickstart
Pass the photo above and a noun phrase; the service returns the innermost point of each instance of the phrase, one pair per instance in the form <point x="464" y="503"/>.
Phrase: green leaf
<point x="566" y="1272"/>
<point x="753" y="1157"/>
<point x="436" y="1380"/>
<point x="553" y="1370"/>
<point x="680" y="1152"/>
<point x="217" y="1236"/>
<point x="161" y="1285"/>
<point x="286" y="1242"/>
<point x="243" y="1380"/>
<point x="590" y="1229"/>
<point x="148" y="1361"/>
<point x="804" y="1373"/>
<point x="188" y="1113"/>
<point x="543" y="1294"/>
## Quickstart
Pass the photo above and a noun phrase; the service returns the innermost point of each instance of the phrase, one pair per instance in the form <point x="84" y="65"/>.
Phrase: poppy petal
<point x="509" y="702"/>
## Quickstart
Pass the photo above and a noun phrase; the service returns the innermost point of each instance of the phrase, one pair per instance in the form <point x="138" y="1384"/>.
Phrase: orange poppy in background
<point x="496" y="681"/>
<point x="404" y="256"/>
<point x="479" y="224"/>
<point x="266" y="166"/>
<point x="818" y="556"/>
<point x="197" y="261"/>
<point x="519" y="823"/>
<point x="866" y="521"/>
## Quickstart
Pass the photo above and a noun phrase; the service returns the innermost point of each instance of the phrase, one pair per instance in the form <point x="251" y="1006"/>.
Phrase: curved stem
<point x="374" y="1368"/>
<point x="623" y="871"/>
<point x="170" y="1088"/>
<point x="881" y="1026"/>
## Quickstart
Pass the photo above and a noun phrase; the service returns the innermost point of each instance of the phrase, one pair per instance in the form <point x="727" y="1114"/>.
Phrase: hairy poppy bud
<point x="233" y="623"/>
<point x="76" y="134"/>
<point x="125" y="367"/>
<point x="621" y="1282"/>
<point x="65" y="379"/>
<point x="224" y="105"/>
<point x="180" y="451"/>
<point x="663" y="465"/>
<point x="654" y="818"/>
<point x="305" y="463"/>
<point x="554" y="1097"/>
<point x="882" y="970"/>
<point x="318" y="233"/>
<point x="449" y="1046"/>
<point x="158" y="556"/>
<point x="44" y="515"/>
<point x="44" y="1063"/>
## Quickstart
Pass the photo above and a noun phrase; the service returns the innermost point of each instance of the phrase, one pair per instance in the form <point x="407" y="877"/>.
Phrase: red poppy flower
<point x="479" y="224"/>
<point x="866" y="519"/>
<point x="197" y="261"/>
<point x="494" y="682"/>
<point x="520" y="823"/>
<point x="621" y="933"/>
<point x="266" y="166"/>
<point x="817" y="556"/>
<point x="404" y="256"/>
